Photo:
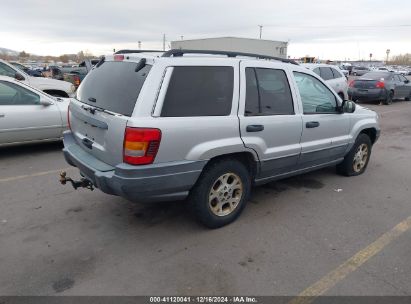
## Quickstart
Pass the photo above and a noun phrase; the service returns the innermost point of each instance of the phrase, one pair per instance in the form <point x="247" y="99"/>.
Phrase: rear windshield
<point x="375" y="75"/>
<point x="113" y="86"/>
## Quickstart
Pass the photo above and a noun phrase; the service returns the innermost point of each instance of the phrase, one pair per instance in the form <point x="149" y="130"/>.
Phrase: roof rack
<point x="137" y="51"/>
<point x="181" y="52"/>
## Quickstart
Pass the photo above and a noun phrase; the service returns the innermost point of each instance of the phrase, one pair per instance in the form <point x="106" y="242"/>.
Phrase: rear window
<point x="113" y="86"/>
<point x="326" y="73"/>
<point x="199" y="91"/>
<point x="376" y="75"/>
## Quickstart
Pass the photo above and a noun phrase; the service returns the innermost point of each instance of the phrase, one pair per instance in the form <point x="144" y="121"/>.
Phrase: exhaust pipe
<point x="82" y="183"/>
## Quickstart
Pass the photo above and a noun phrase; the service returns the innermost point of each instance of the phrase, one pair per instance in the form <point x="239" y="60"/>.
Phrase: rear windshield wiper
<point x="141" y="64"/>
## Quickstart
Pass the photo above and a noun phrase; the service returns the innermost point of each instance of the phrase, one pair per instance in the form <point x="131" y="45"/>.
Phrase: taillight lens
<point x="380" y="85"/>
<point x="141" y="145"/>
<point x="76" y="81"/>
<point x="68" y="116"/>
<point x="351" y="85"/>
<point x="118" y="57"/>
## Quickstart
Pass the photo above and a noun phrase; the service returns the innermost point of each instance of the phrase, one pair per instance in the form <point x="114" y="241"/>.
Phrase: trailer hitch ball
<point x="82" y="183"/>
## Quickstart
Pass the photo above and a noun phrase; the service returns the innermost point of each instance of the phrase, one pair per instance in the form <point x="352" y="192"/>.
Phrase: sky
<point x="340" y="30"/>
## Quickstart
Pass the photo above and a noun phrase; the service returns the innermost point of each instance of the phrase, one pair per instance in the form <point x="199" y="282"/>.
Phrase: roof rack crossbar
<point x="137" y="51"/>
<point x="181" y="52"/>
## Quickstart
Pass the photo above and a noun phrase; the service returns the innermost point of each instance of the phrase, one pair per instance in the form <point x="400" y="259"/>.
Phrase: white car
<point x="29" y="115"/>
<point x="332" y="76"/>
<point x="51" y="86"/>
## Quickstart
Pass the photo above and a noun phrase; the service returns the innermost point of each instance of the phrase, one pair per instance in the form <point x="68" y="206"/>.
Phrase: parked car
<point x="27" y="70"/>
<point x="51" y="86"/>
<point x="28" y="115"/>
<point x="54" y="72"/>
<point x="76" y="74"/>
<point x="359" y="71"/>
<point x="207" y="128"/>
<point x="380" y="86"/>
<point x="332" y="75"/>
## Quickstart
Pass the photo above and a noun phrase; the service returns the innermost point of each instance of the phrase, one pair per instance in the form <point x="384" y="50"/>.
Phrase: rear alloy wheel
<point x="389" y="98"/>
<point x="220" y="193"/>
<point x="356" y="161"/>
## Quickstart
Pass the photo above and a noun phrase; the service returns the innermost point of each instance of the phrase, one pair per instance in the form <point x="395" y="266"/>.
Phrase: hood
<point x="43" y="83"/>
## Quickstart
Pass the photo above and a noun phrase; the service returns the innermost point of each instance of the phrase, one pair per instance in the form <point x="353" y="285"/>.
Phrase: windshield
<point x="113" y="86"/>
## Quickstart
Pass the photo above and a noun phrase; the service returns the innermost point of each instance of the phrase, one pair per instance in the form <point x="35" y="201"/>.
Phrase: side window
<point x="326" y="73"/>
<point x="317" y="71"/>
<point x="315" y="96"/>
<point x="199" y="91"/>
<point x="403" y="79"/>
<point x="5" y="70"/>
<point x="336" y="73"/>
<point x="13" y="94"/>
<point x="267" y="93"/>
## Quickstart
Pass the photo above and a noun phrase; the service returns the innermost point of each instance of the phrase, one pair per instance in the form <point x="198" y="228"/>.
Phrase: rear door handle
<point x="255" y="128"/>
<point x="312" y="124"/>
<point x="2" y="115"/>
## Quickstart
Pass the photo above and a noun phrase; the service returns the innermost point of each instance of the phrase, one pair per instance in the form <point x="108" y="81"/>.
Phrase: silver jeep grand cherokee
<point x="207" y="127"/>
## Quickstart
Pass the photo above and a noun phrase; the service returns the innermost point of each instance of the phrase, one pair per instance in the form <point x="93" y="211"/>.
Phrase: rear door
<point x="270" y="121"/>
<point x="402" y="89"/>
<point x="23" y="118"/>
<point x="105" y="100"/>
<point x="325" y="134"/>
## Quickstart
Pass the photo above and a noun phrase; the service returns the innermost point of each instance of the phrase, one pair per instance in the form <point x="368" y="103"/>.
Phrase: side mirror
<point x="45" y="102"/>
<point x="348" y="106"/>
<point x="19" y="77"/>
<point x="406" y="81"/>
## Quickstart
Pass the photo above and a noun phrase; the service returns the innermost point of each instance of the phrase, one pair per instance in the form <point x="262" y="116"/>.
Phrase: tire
<point x="354" y="163"/>
<point x="218" y="212"/>
<point x="408" y="98"/>
<point x="388" y="100"/>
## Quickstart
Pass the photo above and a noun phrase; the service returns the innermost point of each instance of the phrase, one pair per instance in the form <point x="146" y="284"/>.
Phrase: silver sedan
<point x="29" y="115"/>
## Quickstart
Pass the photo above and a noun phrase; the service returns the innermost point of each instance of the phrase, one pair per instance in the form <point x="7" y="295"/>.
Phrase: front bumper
<point x="148" y="183"/>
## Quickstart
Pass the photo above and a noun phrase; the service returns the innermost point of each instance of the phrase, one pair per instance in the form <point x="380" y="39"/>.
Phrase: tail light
<point x="141" y="145"/>
<point x="76" y="81"/>
<point x="380" y="85"/>
<point x="68" y="116"/>
<point x="351" y="85"/>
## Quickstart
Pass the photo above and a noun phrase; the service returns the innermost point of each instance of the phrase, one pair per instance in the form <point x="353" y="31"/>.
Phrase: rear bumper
<point x="148" y="183"/>
<point x="376" y="95"/>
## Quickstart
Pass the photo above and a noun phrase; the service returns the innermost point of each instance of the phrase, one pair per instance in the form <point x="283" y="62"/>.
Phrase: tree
<point x="23" y="55"/>
<point x="402" y="59"/>
<point x="64" y="58"/>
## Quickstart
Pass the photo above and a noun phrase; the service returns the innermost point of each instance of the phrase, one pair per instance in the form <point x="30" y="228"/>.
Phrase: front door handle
<point x="2" y="115"/>
<point x="312" y="124"/>
<point x="255" y="128"/>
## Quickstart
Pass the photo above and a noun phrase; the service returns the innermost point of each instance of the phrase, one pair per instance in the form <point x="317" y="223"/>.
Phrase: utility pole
<point x="164" y="42"/>
<point x="261" y="30"/>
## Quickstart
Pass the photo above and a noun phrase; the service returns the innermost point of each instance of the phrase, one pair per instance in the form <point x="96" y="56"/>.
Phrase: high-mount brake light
<point x="141" y="145"/>
<point x="118" y="57"/>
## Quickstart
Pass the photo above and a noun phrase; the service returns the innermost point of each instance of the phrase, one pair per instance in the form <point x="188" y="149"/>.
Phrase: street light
<point x="388" y="53"/>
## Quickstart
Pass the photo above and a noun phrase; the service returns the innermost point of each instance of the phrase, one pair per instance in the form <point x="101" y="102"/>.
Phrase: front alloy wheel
<point x="360" y="158"/>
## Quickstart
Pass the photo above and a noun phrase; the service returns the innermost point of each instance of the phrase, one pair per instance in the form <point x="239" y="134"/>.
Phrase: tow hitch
<point x="82" y="183"/>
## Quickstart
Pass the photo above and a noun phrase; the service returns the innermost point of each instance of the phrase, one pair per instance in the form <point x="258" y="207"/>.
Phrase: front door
<point x="23" y="118"/>
<point x="325" y="134"/>
<point x="269" y="120"/>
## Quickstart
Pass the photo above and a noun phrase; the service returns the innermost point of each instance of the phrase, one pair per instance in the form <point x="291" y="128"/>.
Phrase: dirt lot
<point x="54" y="240"/>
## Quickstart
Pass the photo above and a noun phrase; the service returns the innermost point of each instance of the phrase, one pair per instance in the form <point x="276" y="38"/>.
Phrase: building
<point x="244" y="45"/>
